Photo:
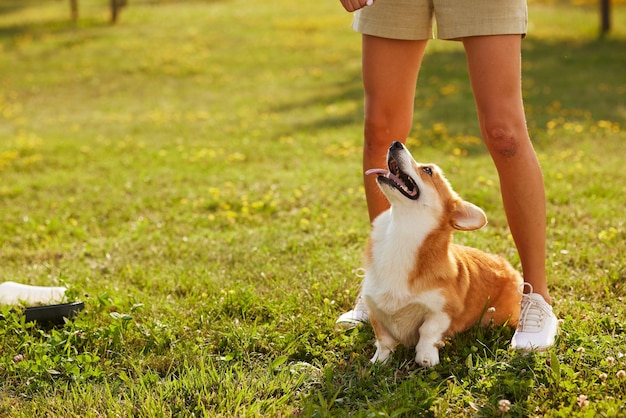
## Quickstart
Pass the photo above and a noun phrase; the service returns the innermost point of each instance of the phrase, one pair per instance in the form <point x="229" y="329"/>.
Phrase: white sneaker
<point x="537" y="326"/>
<point x="357" y="316"/>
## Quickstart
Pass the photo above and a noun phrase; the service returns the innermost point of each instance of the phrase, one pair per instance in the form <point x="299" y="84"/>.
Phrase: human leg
<point x="494" y="64"/>
<point x="390" y="69"/>
<point x="495" y="70"/>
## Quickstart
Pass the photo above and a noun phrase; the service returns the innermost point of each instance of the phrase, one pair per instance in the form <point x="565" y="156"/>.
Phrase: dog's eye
<point x="427" y="170"/>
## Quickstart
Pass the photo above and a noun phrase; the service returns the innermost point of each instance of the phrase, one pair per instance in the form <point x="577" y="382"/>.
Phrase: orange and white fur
<point x="419" y="287"/>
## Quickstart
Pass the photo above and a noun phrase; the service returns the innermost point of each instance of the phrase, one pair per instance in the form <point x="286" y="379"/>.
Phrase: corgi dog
<point x="419" y="287"/>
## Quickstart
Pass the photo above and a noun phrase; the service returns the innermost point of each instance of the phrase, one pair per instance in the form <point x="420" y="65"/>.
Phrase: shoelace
<point x="359" y="272"/>
<point x="531" y="317"/>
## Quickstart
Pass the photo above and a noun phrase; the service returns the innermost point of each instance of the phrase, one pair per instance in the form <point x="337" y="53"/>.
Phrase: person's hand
<point x="352" y="5"/>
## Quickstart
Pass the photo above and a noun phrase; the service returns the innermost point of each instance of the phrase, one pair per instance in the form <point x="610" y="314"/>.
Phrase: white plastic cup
<point x="12" y="293"/>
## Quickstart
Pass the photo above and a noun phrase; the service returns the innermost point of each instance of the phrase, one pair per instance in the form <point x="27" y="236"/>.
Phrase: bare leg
<point x="495" y="72"/>
<point x="390" y="69"/>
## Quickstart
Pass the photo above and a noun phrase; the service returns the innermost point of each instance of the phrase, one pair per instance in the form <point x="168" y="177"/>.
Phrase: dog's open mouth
<point x="397" y="178"/>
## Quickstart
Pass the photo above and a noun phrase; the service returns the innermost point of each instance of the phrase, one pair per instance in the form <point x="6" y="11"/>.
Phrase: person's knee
<point x="377" y="144"/>
<point x="502" y="141"/>
<point x="380" y="132"/>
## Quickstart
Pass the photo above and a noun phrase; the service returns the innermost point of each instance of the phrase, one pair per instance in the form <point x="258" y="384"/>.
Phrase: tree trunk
<point x="116" y="7"/>
<point x="605" y="13"/>
<point x="74" y="10"/>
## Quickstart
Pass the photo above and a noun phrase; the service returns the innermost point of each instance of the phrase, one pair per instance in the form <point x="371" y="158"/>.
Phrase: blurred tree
<point x="605" y="17"/>
<point x="116" y="7"/>
<point x="74" y="9"/>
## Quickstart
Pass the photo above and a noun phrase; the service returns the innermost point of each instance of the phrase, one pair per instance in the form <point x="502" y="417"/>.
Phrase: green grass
<point x="193" y="174"/>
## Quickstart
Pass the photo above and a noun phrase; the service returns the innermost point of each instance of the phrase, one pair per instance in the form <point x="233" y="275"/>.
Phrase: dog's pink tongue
<point x="380" y="171"/>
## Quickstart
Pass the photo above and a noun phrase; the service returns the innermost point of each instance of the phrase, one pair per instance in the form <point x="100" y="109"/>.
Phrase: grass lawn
<point x="193" y="175"/>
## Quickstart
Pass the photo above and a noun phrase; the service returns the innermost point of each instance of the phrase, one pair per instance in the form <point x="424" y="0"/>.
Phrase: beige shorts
<point x="413" y="19"/>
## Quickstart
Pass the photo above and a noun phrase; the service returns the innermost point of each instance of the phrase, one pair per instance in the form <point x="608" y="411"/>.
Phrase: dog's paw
<point x="381" y="355"/>
<point x="427" y="357"/>
<point x="383" y="350"/>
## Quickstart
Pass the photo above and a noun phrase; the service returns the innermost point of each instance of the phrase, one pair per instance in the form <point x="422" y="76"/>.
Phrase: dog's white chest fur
<point x="386" y="283"/>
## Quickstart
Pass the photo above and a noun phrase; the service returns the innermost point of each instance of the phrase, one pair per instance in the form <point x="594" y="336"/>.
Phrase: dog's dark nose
<point x="396" y="145"/>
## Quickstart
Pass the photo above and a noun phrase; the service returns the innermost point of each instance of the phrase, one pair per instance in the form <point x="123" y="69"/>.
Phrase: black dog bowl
<point x="53" y="314"/>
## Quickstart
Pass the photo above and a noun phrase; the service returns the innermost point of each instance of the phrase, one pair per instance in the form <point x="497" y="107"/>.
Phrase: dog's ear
<point x="468" y="217"/>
